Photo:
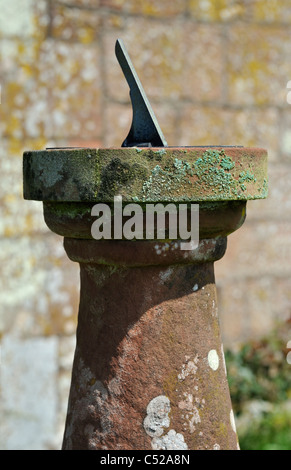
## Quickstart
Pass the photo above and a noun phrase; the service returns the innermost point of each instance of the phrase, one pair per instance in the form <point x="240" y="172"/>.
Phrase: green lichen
<point x="246" y="176"/>
<point x="166" y="181"/>
<point x="161" y="152"/>
<point x="263" y="191"/>
<point x="213" y="171"/>
<point x="183" y="168"/>
<point x="227" y="163"/>
<point x="214" y="174"/>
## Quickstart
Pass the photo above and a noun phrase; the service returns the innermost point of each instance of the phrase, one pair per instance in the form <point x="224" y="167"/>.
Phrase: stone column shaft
<point x="149" y="369"/>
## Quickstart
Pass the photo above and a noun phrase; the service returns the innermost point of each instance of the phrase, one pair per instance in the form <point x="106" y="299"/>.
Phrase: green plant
<point x="258" y="372"/>
<point x="271" y="432"/>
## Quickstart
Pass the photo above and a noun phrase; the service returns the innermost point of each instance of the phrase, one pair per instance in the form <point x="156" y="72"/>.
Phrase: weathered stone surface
<point x="222" y="10"/>
<point x="148" y="7"/>
<point x="75" y="24"/>
<point x="215" y="218"/>
<point x="168" y="65"/>
<point x="28" y="401"/>
<point x="146" y="175"/>
<point x="149" y="366"/>
<point x="258" y="251"/>
<point x="252" y="78"/>
<point x="271" y="12"/>
<point x="251" y="306"/>
<point x="222" y="125"/>
<point x="23" y="24"/>
<point x="279" y="205"/>
<point x="40" y="279"/>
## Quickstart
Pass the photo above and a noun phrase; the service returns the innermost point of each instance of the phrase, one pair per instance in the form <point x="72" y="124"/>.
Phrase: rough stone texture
<point x="56" y="90"/>
<point x="29" y="401"/>
<point x="149" y="366"/>
<point x="190" y="174"/>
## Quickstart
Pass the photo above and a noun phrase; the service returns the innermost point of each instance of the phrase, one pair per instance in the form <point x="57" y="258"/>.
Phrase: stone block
<point x="54" y="89"/>
<point x="147" y="8"/>
<point x="260" y="248"/>
<point x="25" y="107"/>
<point x="29" y="399"/>
<point x="151" y="51"/>
<point x="117" y="123"/>
<point x="221" y="10"/>
<point x="73" y="73"/>
<point x="18" y="19"/>
<point x="199" y="125"/>
<point x="254" y="128"/>
<point x="16" y="218"/>
<point x="277" y="207"/>
<point x="219" y="125"/>
<point x="271" y="11"/>
<point x="173" y="61"/>
<point x="75" y="24"/>
<point x="253" y="279"/>
<point x="257" y="75"/>
<point x="38" y="295"/>
<point x="284" y="137"/>
<point x="253" y="308"/>
<point x="203" y="62"/>
<point x="82" y="4"/>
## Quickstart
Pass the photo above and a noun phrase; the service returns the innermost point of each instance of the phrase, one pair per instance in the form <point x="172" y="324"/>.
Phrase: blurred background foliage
<point x="260" y="386"/>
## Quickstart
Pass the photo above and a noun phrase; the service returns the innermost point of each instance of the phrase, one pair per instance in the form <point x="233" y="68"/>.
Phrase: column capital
<point x="168" y="174"/>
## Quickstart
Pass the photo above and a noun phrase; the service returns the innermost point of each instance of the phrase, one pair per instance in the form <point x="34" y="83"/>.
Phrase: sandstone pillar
<point x="149" y="369"/>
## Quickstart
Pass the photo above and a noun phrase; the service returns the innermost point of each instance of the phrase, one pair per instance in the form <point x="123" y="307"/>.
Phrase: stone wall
<point x="215" y="72"/>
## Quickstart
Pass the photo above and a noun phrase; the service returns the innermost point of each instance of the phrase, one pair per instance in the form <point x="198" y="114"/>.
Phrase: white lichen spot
<point x="195" y="287"/>
<point x="156" y="420"/>
<point x="213" y="359"/>
<point x="192" y="415"/>
<point x="232" y="421"/>
<point x="157" y="417"/>
<point x="189" y="368"/>
<point x="170" y="441"/>
<point x="216" y="447"/>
